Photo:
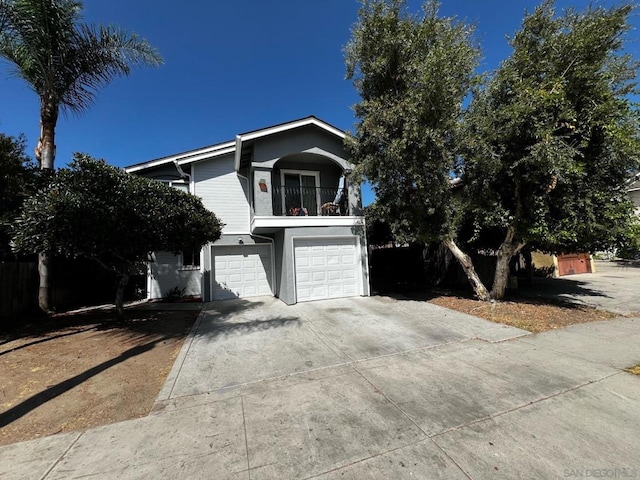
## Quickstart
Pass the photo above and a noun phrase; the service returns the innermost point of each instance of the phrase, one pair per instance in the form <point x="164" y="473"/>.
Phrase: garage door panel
<point x="241" y="271"/>
<point x="326" y="268"/>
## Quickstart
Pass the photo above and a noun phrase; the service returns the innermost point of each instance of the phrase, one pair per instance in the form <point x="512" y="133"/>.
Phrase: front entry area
<point x="327" y="268"/>
<point x="241" y="271"/>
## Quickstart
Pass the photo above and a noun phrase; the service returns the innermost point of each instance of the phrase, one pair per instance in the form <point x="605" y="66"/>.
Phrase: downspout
<point x="181" y="172"/>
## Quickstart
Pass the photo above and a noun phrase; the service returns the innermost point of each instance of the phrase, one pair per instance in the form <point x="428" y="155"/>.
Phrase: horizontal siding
<point x="223" y="192"/>
<point x="166" y="274"/>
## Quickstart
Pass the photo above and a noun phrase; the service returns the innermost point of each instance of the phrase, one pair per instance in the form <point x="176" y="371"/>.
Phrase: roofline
<point x="235" y="146"/>
<point x="185" y="157"/>
<point x="282" y="127"/>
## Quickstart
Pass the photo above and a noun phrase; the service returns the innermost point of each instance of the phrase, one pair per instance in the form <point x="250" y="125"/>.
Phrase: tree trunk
<point x="507" y="250"/>
<point x="45" y="154"/>
<point x="501" y="276"/>
<point x="467" y="265"/>
<point x="46" y="148"/>
<point x="44" y="293"/>
<point x="124" y="281"/>
<point x="528" y="261"/>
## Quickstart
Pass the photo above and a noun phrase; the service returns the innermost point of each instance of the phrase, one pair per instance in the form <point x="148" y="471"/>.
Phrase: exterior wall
<point x="307" y="139"/>
<point x="166" y="273"/>
<point x="329" y="172"/>
<point x="223" y="192"/>
<point x="263" y="203"/>
<point x="285" y="267"/>
<point x="635" y="197"/>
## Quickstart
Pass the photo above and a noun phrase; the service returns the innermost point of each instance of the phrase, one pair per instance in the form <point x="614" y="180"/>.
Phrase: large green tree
<point x="66" y="62"/>
<point x="543" y="149"/>
<point x="413" y="74"/>
<point x="97" y="211"/>
<point x="552" y="138"/>
<point x="17" y="182"/>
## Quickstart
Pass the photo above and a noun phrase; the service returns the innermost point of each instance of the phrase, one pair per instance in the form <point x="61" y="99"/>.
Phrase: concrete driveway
<point x="614" y="286"/>
<point x="369" y="388"/>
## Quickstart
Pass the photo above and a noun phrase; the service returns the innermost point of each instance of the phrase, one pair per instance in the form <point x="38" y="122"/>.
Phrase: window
<point x="300" y="192"/>
<point x="191" y="258"/>
<point x="180" y="185"/>
<point x="177" y="184"/>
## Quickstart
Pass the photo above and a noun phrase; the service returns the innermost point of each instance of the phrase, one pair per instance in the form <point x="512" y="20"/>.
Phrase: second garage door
<point x="241" y="271"/>
<point x="326" y="268"/>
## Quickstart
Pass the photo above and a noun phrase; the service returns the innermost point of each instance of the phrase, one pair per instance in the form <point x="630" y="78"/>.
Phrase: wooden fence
<point x="74" y="283"/>
<point x="18" y="289"/>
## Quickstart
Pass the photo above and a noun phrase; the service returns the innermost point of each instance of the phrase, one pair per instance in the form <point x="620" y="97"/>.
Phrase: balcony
<point x="301" y="206"/>
<point x="307" y="201"/>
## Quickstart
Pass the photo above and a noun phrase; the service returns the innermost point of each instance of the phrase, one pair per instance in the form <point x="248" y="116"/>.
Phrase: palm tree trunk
<point x="46" y="154"/>
<point x="46" y="148"/>
<point x="467" y="265"/>
<point x="44" y="292"/>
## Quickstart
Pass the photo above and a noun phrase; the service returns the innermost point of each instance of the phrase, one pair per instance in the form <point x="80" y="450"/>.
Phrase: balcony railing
<point x="307" y="201"/>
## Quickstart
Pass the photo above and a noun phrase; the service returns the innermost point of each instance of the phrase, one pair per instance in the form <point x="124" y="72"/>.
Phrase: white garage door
<point x="326" y="268"/>
<point x="241" y="271"/>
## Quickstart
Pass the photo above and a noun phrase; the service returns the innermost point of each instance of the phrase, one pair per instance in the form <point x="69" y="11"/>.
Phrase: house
<point x="293" y="224"/>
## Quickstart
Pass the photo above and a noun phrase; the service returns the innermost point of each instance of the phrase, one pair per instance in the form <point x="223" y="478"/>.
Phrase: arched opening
<point x="305" y="182"/>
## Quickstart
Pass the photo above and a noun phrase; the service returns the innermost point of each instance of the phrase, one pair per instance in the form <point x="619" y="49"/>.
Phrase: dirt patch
<point x="635" y="370"/>
<point x="534" y="316"/>
<point x="83" y="370"/>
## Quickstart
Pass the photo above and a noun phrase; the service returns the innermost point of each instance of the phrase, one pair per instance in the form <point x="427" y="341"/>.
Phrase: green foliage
<point x="552" y="137"/>
<point x="629" y="247"/>
<point x="174" y="295"/>
<point x="412" y="74"/>
<point x="17" y="181"/>
<point x="65" y="61"/>
<point x="378" y="229"/>
<point x="543" y="150"/>
<point x="98" y="211"/>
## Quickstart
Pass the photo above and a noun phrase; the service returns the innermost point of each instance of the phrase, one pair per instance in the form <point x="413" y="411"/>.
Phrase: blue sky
<point x="232" y="67"/>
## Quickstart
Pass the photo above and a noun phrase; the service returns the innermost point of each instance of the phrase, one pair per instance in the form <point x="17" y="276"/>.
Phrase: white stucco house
<point x="276" y="190"/>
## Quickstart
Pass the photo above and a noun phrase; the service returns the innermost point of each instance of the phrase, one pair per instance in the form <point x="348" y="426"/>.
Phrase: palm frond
<point x="63" y="59"/>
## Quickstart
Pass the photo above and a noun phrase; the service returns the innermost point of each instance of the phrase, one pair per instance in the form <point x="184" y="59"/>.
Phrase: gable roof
<point x="235" y="146"/>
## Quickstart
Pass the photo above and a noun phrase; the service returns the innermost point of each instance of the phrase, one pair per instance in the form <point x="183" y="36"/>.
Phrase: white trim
<point x="238" y="153"/>
<point x="307" y="173"/>
<point x="292" y="125"/>
<point x="149" y="280"/>
<point x="316" y="237"/>
<point x="306" y="221"/>
<point x="186" y="157"/>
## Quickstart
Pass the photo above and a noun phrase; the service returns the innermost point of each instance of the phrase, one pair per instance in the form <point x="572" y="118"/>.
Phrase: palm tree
<point x="66" y="62"/>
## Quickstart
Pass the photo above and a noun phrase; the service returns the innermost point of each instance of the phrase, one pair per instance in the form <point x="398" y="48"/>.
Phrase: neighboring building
<point x="634" y="191"/>
<point x="274" y="189"/>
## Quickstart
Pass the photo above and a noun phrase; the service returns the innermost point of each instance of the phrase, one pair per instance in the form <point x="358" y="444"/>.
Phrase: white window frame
<point x="197" y="254"/>
<point x="307" y="173"/>
<point x="181" y="183"/>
